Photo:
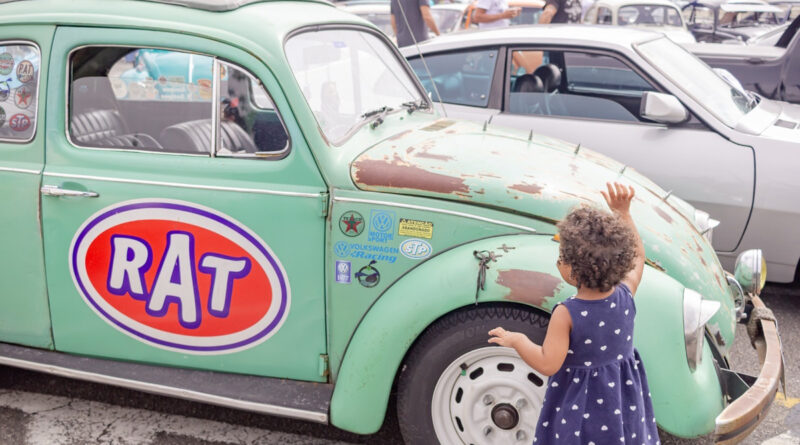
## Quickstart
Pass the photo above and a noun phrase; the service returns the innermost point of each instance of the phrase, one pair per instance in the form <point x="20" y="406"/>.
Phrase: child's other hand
<point x="505" y="338"/>
<point x="619" y="197"/>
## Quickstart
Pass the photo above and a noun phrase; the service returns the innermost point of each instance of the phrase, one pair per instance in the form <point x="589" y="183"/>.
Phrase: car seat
<point x="194" y="137"/>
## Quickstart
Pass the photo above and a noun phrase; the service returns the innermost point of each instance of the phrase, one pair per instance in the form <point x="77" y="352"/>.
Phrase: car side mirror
<point x="663" y="108"/>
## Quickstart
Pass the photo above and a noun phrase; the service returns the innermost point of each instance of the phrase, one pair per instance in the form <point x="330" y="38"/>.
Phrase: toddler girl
<point x="597" y="393"/>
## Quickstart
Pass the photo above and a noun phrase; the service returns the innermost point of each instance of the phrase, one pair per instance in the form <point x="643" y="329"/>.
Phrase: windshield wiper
<point x="412" y="106"/>
<point x="377" y="114"/>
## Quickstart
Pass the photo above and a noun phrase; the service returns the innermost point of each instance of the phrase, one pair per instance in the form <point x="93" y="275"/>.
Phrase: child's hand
<point x="505" y="338"/>
<point x="619" y="197"/>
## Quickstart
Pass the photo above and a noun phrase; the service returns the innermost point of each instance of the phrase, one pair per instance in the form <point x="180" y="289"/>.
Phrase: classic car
<point x="791" y="9"/>
<point x="457" y="16"/>
<point x="253" y="204"/>
<point x="376" y="12"/>
<point x="730" y="21"/>
<point x="655" y="15"/>
<point x="772" y="72"/>
<point x="722" y="149"/>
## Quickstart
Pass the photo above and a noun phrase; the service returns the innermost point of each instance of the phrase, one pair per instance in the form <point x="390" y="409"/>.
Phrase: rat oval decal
<point x="179" y="276"/>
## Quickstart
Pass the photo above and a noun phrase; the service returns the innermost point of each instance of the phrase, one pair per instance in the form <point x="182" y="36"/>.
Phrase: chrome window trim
<point x="184" y="185"/>
<point x="38" y="88"/>
<point x="259" y="154"/>
<point x="216" y="79"/>
<point x="435" y="210"/>
<point x="20" y="170"/>
<point x="167" y="390"/>
<point x="68" y="101"/>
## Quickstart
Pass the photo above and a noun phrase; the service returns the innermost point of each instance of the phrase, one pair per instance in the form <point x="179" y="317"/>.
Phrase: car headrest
<point x="528" y="83"/>
<point x="550" y="75"/>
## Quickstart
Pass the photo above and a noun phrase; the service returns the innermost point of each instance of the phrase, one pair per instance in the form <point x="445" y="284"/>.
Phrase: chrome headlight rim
<point x="751" y="271"/>
<point x="739" y="296"/>
<point x="696" y="313"/>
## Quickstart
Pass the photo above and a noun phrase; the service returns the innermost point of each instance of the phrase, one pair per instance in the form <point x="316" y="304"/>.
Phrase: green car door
<point x="182" y="211"/>
<point x="24" y="314"/>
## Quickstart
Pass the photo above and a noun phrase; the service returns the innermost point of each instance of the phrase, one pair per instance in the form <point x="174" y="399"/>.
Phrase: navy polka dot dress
<point x="600" y="394"/>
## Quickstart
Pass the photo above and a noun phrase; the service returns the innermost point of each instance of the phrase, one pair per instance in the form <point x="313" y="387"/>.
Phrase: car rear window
<point x="19" y="91"/>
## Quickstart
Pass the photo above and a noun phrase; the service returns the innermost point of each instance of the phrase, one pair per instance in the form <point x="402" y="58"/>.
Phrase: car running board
<point x="279" y="397"/>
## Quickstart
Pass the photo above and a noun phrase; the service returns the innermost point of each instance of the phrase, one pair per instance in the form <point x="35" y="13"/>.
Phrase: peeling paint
<point x="527" y="286"/>
<point x="425" y="154"/>
<point x="397" y="174"/>
<point x="399" y="135"/>
<point x="533" y="189"/>
<point x="664" y="215"/>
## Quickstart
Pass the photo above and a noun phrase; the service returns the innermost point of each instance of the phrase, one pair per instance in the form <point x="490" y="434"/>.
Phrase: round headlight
<point x="751" y="271"/>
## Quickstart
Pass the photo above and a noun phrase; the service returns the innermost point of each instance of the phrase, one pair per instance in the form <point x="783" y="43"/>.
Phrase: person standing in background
<point x="413" y="27"/>
<point x="494" y="14"/>
<point x="561" y="11"/>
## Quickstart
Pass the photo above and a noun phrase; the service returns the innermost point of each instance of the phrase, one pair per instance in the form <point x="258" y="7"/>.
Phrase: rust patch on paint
<point x="488" y="175"/>
<point x="664" y="215"/>
<point x="479" y="192"/>
<point x="533" y="189"/>
<point x="527" y="286"/>
<point x="697" y="246"/>
<point x="400" y="174"/>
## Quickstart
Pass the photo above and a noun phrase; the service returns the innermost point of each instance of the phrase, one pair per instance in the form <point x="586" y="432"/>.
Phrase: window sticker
<point x="19" y="78"/>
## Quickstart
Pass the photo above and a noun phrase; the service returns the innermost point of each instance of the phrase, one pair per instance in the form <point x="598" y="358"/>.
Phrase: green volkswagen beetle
<point x="252" y="204"/>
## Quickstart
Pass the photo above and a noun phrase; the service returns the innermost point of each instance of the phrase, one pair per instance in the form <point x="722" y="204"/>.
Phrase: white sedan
<point x="655" y="15"/>
<point x="645" y="101"/>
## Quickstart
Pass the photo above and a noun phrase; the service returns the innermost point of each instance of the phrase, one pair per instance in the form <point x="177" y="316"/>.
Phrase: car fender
<point x="521" y="269"/>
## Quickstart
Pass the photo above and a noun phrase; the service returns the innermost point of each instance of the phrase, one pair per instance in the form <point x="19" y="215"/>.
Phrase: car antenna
<point x="422" y="58"/>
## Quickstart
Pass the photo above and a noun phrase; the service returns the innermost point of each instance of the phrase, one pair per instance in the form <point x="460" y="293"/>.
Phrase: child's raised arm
<point x="619" y="200"/>
<point x="548" y="358"/>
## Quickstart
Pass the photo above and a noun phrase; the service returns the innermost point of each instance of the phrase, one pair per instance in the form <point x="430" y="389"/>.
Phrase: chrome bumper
<point x="739" y="418"/>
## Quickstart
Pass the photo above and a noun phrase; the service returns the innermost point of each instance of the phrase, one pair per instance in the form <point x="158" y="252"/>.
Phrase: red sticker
<point x="179" y="276"/>
<point x="19" y="122"/>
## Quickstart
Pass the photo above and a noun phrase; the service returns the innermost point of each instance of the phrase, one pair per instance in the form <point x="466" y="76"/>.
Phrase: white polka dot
<point x="633" y="436"/>
<point x="595" y="374"/>
<point x="545" y="423"/>
<point x="632" y="407"/>
<point x="558" y="408"/>
<point x="586" y="415"/>
<point x="599" y="401"/>
<point x="617" y="412"/>
<point x="563" y="421"/>
<point x="569" y="370"/>
<point x="613" y="305"/>
<point x="617" y="331"/>
<point x="626" y="311"/>
<point x="556" y="435"/>
<point x="576" y="380"/>
<point x="588" y="341"/>
<point x="603" y="348"/>
<point x="628" y="382"/>
<point x="619" y="357"/>
<point x="601" y="324"/>
<point x="574" y="407"/>
<point x="587" y="363"/>
<point x="603" y="428"/>
<point x="585" y="313"/>
<point x="569" y="351"/>
<point x="577" y="433"/>
<point x="554" y="385"/>
<point x="610" y="384"/>
<point x="629" y="338"/>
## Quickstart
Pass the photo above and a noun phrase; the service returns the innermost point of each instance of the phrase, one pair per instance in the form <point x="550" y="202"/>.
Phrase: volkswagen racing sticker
<point x="179" y="276"/>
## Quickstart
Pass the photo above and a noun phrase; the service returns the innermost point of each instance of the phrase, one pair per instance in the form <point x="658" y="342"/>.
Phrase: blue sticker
<point x="343" y="272"/>
<point x="381" y="226"/>
<point x="343" y="249"/>
<point x="416" y="249"/>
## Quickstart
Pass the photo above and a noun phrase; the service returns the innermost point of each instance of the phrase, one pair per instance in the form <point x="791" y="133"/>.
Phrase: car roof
<point x="572" y="34"/>
<point x="620" y="3"/>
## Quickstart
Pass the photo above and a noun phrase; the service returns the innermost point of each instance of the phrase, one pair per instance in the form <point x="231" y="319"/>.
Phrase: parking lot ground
<point x="40" y="409"/>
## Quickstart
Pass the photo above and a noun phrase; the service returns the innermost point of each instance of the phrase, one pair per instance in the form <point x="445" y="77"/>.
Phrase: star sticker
<point x="352" y="224"/>
<point x="23" y="96"/>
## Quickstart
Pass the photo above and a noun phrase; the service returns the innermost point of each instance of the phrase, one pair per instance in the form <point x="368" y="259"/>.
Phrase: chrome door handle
<point x="54" y="190"/>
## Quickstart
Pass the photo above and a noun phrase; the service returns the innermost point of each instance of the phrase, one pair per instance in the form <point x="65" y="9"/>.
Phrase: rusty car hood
<point x="542" y="178"/>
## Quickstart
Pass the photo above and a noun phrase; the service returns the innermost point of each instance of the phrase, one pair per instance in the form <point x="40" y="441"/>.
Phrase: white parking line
<point x="60" y="421"/>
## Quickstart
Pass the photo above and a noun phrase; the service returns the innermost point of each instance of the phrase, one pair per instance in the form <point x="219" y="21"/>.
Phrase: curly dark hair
<point x="598" y="246"/>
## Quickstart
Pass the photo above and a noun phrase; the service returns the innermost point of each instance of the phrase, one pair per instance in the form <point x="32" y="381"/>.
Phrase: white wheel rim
<point x="477" y="383"/>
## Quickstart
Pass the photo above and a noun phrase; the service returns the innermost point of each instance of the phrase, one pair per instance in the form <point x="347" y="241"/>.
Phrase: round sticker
<point x="5" y="90"/>
<point x="25" y="71"/>
<point x="23" y="97"/>
<point x="368" y="276"/>
<point x="179" y="276"/>
<point x="19" y="122"/>
<point x="416" y="249"/>
<point x="351" y="223"/>
<point x="2" y="116"/>
<point x="6" y="63"/>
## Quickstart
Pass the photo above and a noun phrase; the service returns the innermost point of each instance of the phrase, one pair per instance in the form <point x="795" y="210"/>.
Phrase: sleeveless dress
<point x="600" y="395"/>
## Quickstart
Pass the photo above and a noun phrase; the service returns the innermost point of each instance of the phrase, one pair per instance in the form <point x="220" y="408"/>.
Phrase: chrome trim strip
<point x="20" y="170"/>
<point x="190" y="186"/>
<point x="431" y="209"/>
<point x="168" y="391"/>
<point x="215" y="81"/>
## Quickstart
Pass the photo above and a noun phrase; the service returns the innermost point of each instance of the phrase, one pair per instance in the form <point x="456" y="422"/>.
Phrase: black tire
<point x="444" y="341"/>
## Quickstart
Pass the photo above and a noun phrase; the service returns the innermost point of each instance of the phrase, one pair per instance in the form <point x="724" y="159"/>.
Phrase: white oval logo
<point x="416" y="249"/>
<point x="179" y="276"/>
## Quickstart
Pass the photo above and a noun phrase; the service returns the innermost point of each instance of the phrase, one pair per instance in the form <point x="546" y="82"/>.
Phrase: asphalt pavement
<point x="41" y="409"/>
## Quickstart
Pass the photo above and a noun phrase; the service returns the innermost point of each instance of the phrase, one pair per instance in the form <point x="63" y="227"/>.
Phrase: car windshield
<point x="347" y="77"/>
<point x="446" y="19"/>
<point x="743" y="19"/>
<point x="649" y="15"/>
<point x="728" y="103"/>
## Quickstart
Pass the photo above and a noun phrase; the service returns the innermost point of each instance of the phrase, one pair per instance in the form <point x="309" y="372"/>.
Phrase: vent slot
<point x="786" y="124"/>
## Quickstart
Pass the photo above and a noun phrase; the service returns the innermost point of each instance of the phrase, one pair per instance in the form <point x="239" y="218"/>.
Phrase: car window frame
<point x="620" y="57"/>
<point x="495" y="88"/>
<point x="215" y="115"/>
<point x="35" y="122"/>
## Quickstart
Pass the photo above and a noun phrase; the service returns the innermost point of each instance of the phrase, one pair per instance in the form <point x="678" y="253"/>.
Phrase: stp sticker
<point x="416" y="249"/>
<point x="179" y="276"/>
<point x="19" y="122"/>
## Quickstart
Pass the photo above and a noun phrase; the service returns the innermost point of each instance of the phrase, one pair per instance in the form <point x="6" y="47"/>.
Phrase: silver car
<point x="643" y="100"/>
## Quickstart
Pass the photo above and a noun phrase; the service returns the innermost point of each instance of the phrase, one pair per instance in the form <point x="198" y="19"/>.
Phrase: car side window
<point x="576" y="84"/>
<point x="249" y="123"/>
<point x="19" y="88"/>
<point x="462" y="78"/>
<point x="604" y="16"/>
<point x="139" y="98"/>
